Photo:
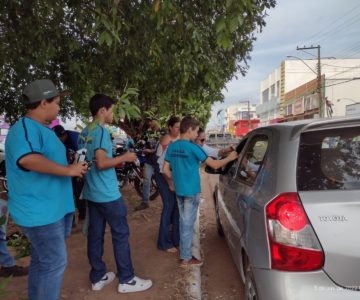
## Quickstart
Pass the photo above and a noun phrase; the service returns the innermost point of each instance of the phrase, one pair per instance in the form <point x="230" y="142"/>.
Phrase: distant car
<point x="289" y="208"/>
<point x="219" y="137"/>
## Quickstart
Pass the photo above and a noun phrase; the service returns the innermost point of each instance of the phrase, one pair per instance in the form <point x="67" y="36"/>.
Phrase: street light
<point x="291" y="56"/>
<point x="248" y="104"/>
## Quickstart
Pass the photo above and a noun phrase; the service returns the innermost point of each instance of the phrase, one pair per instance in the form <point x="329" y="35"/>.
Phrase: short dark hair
<point x="201" y="130"/>
<point x="99" y="101"/>
<point x="188" y="122"/>
<point x="172" y="121"/>
<point x="33" y="105"/>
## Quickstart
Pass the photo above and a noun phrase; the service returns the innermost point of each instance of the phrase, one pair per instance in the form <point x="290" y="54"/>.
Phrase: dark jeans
<point x="80" y="204"/>
<point x="48" y="258"/>
<point x="169" y="222"/>
<point x="113" y="213"/>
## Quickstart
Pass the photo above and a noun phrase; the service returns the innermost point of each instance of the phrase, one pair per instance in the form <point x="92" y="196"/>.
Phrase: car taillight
<point x="293" y="243"/>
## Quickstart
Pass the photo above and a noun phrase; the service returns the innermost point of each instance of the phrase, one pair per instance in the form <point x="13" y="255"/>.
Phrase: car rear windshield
<point x="329" y="160"/>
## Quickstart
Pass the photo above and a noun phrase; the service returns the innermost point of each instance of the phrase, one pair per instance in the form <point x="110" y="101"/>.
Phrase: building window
<point x="273" y="92"/>
<point x="265" y="95"/>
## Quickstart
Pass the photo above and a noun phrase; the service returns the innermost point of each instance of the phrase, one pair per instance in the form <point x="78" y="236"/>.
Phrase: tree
<point x="178" y="54"/>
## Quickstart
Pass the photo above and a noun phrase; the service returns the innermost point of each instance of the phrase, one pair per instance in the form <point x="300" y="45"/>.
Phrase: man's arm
<point x="39" y="163"/>
<point x="224" y="151"/>
<point x="216" y="164"/>
<point x="148" y="151"/>
<point x="103" y="162"/>
<point x="168" y="176"/>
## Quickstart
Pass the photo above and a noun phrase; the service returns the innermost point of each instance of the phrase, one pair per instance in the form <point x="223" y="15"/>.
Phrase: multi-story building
<point x="241" y="111"/>
<point x="292" y="90"/>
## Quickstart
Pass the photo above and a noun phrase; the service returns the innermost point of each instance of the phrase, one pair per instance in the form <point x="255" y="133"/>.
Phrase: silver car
<point x="289" y="208"/>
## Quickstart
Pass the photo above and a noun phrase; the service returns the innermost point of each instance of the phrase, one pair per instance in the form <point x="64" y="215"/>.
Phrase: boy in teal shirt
<point x="182" y="162"/>
<point x="40" y="192"/>
<point x="105" y="202"/>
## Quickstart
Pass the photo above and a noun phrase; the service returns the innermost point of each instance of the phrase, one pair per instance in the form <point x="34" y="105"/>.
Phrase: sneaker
<point x="14" y="271"/>
<point x="107" y="278"/>
<point x="142" y="206"/>
<point x="135" y="285"/>
<point x="191" y="262"/>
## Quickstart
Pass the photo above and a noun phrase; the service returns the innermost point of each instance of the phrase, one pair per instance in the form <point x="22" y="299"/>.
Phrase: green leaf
<point x="220" y="24"/>
<point x="233" y="24"/>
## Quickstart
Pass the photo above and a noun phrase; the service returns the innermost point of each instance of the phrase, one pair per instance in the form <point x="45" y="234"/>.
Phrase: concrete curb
<point x="194" y="279"/>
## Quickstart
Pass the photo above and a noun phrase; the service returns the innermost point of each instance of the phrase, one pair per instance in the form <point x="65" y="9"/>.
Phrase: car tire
<point x="250" y="292"/>
<point x="217" y="216"/>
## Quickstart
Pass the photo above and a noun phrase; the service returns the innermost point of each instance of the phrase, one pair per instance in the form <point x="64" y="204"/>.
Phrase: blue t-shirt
<point x="100" y="185"/>
<point x="184" y="158"/>
<point x="36" y="199"/>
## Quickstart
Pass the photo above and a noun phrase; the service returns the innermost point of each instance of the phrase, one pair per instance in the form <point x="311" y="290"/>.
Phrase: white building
<point x="239" y="111"/>
<point x="287" y="93"/>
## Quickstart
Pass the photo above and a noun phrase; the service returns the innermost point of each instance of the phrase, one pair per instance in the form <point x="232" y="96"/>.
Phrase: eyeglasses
<point x="202" y="140"/>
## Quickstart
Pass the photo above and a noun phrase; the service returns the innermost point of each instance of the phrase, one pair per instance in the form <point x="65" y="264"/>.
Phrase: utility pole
<point x="321" y="104"/>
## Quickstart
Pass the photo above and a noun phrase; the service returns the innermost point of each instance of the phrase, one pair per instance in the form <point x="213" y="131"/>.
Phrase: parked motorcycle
<point x="134" y="173"/>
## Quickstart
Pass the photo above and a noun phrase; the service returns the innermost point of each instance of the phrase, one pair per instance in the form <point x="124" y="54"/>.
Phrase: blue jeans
<point x="188" y="207"/>
<point x="148" y="173"/>
<point x="48" y="258"/>
<point x="169" y="221"/>
<point x="6" y="260"/>
<point x="114" y="213"/>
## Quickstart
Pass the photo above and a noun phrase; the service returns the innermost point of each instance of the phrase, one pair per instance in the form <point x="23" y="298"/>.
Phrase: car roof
<point x="297" y="127"/>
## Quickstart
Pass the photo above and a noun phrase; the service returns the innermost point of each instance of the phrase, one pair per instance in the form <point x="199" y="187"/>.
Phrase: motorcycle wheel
<point x="122" y="181"/>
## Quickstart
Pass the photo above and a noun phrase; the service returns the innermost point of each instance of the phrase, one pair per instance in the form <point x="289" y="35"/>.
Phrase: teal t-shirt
<point x="184" y="158"/>
<point x="100" y="185"/>
<point x="36" y="199"/>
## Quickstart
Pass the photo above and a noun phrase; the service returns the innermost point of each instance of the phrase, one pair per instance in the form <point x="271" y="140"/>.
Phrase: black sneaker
<point x="14" y="271"/>
<point x="142" y="206"/>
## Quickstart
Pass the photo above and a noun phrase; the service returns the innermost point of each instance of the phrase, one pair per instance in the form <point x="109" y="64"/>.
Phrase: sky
<point x="332" y="24"/>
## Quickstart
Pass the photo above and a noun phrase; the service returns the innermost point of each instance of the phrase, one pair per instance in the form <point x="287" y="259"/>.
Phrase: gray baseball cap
<point x="41" y="89"/>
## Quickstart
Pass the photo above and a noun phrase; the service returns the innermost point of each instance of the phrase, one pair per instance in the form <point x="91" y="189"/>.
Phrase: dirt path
<point x="149" y="262"/>
<point x="220" y="278"/>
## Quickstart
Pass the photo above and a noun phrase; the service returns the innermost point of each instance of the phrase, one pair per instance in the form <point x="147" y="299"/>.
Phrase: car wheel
<point x="250" y="292"/>
<point x="218" y="223"/>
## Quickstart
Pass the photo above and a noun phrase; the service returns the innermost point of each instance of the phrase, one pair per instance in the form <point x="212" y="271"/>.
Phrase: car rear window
<point x="329" y="160"/>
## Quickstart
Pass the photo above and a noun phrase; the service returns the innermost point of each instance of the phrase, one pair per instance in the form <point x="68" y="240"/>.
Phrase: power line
<point x="345" y="67"/>
<point x="342" y="82"/>
<point x="342" y="72"/>
<point x="340" y="28"/>
<point x="332" y="23"/>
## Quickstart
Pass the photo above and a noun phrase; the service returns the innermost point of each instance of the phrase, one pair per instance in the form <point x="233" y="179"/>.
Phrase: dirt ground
<point x="219" y="276"/>
<point x="220" y="279"/>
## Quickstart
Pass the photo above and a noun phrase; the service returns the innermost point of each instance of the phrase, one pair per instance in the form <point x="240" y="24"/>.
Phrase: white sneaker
<point x="135" y="285"/>
<point x="107" y="278"/>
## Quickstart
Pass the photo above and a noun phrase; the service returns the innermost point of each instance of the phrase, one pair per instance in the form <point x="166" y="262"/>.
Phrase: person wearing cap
<point x="68" y="137"/>
<point x="40" y="191"/>
<point x="151" y="137"/>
